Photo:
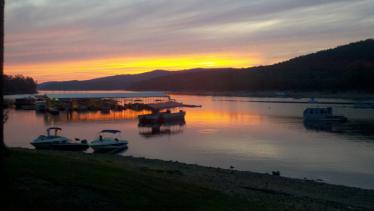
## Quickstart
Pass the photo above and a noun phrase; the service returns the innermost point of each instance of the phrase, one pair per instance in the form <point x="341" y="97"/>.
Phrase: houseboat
<point x="161" y="117"/>
<point x="322" y="114"/>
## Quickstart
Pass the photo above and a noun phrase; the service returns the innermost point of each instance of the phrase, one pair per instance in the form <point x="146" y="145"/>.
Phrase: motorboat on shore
<point x="53" y="141"/>
<point x="108" y="140"/>
<point x="161" y="117"/>
<point x="322" y="114"/>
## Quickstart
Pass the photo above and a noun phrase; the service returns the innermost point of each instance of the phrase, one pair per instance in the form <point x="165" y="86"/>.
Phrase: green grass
<point x="54" y="182"/>
<point x="44" y="180"/>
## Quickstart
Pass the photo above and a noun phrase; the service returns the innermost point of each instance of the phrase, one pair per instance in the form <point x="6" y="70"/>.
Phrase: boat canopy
<point x="54" y="128"/>
<point x="165" y="105"/>
<point x="110" y="131"/>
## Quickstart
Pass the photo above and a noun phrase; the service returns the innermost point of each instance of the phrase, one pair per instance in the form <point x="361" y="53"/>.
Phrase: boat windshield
<point x="109" y="134"/>
<point x="53" y="131"/>
<point x="110" y="131"/>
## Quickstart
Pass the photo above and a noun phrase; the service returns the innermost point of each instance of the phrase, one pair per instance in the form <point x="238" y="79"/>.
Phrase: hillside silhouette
<point x="345" y="68"/>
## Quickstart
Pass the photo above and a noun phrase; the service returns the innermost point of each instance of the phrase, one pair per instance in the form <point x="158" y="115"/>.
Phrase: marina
<point x="252" y="136"/>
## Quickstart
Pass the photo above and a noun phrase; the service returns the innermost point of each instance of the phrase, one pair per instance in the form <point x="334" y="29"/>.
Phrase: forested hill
<point x="345" y="68"/>
<point x="107" y="83"/>
<point x="18" y="84"/>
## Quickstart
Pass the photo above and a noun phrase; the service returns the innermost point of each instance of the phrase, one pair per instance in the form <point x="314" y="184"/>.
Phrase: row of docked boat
<point x="106" y="141"/>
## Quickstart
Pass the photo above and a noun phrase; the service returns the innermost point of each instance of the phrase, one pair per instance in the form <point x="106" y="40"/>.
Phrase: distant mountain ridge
<point x="345" y="68"/>
<point x="106" y="83"/>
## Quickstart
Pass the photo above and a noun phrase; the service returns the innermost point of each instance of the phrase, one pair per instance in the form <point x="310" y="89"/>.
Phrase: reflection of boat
<point x="108" y="140"/>
<point x="358" y="129"/>
<point x="161" y="117"/>
<point x="56" y="142"/>
<point x="53" y="111"/>
<point x="25" y="103"/>
<point x="364" y="105"/>
<point x="322" y="114"/>
<point x="169" y="128"/>
<point x="105" y="109"/>
<point x="320" y="126"/>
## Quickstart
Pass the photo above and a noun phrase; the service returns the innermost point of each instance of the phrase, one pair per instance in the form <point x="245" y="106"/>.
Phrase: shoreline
<point x="350" y="95"/>
<point x="267" y="189"/>
<point x="280" y="94"/>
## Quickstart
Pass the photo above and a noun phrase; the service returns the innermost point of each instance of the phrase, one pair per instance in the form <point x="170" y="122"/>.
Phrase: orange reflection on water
<point x="97" y="116"/>
<point x="222" y="118"/>
<point x="201" y="116"/>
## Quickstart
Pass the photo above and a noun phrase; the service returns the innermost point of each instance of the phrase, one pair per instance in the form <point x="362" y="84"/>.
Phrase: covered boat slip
<point x="119" y="95"/>
<point x="104" y="101"/>
<point x="82" y="99"/>
<point x="123" y="97"/>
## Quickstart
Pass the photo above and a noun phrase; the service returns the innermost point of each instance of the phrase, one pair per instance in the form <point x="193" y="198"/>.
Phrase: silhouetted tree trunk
<point x="2" y="144"/>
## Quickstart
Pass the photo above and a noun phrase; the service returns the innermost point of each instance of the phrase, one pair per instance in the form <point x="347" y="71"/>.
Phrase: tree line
<point x="18" y="84"/>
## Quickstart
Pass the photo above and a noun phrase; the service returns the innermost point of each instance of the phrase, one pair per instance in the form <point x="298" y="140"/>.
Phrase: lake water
<point x="232" y="131"/>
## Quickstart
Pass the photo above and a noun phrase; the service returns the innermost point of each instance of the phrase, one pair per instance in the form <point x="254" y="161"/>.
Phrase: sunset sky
<point x="82" y="39"/>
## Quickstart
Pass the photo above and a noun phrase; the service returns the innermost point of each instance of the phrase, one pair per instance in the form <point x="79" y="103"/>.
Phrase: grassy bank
<point x="66" y="181"/>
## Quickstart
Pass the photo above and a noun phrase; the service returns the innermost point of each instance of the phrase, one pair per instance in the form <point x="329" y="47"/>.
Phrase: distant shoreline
<point x="353" y="95"/>
<point x="280" y="94"/>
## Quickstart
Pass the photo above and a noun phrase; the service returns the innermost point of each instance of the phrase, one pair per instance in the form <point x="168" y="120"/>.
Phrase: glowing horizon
<point x="88" y="69"/>
<point x="53" y="40"/>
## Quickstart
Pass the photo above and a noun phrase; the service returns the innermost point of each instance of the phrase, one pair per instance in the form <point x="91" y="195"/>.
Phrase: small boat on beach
<point x="108" y="140"/>
<point x="322" y="114"/>
<point x="53" y="141"/>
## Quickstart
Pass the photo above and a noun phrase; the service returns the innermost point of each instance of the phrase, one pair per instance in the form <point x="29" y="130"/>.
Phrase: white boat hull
<point x="58" y="143"/>
<point x="103" y="146"/>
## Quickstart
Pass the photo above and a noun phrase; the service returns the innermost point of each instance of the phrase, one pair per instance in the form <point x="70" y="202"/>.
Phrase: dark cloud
<point x="55" y="30"/>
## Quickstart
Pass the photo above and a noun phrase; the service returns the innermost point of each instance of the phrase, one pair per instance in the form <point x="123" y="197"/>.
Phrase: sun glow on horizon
<point x="88" y="69"/>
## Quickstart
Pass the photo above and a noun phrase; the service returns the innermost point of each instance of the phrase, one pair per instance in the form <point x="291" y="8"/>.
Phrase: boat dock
<point x="105" y="102"/>
<point x="294" y="102"/>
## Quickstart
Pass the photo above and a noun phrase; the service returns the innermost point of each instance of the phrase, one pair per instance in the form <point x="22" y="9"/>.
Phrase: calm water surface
<point x="232" y="131"/>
